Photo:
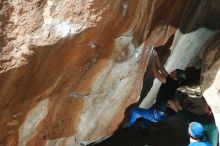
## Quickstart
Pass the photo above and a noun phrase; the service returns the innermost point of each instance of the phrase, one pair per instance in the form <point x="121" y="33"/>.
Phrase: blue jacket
<point x="201" y="143"/>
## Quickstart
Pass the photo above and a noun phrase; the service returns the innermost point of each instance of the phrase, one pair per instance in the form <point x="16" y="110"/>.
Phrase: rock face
<point x="211" y="75"/>
<point x="195" y="36"/>
<point x="70" y="68"/>
<point x="197" y="26"/>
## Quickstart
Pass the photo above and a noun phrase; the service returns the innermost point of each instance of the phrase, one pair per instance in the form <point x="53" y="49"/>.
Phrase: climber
<point x="164" y="104"/>
<point x="197" y="134"/>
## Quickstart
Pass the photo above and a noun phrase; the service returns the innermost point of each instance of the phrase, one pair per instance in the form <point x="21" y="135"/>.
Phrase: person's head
<point x="179" y="75"/>
<point x="192" y="76"/>
<point x="196" y="130"/>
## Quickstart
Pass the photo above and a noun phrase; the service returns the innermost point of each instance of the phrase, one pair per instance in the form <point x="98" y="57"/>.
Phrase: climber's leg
<point x="151" y="114"/>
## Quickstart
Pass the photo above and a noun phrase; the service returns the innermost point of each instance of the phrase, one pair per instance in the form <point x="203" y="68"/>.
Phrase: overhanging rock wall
<point x="70" y="68"/>
<point x="211" y="75"/>
<point x="199" y="22"/>
<point x="196" y="42"/>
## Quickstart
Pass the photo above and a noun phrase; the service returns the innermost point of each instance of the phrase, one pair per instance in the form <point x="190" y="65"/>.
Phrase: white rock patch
<point x="65" y="29"/>
<point x="120" y="77"/>
<point x="212" y="94"/>
<point x="33" y="118"/>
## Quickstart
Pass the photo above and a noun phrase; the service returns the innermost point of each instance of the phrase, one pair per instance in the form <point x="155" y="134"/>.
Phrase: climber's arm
<point x="156" y="72"/>
<point x="160" y="66"/>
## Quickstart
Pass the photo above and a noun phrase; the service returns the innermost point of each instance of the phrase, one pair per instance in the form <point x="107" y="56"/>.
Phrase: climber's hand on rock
<point x="154" y="52"/>
<point x="177" y="103"/>
<point x="172" y="105"/>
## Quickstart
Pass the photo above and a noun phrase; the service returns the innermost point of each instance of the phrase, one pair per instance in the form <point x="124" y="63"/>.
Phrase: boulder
<point x="70" y="68"/>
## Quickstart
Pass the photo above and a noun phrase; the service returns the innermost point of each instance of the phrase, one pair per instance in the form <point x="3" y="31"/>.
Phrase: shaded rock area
<point x="70" y="68"/>
<point x="171" y="132"/>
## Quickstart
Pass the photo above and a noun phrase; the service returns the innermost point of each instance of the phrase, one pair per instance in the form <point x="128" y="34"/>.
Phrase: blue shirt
<point x="200" y="143"/>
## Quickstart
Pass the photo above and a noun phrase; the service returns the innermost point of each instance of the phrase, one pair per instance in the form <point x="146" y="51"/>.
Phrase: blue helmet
<point x="196" y="130"/>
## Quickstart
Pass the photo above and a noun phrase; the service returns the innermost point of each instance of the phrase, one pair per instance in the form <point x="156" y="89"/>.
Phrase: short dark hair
<point x="181" y="75"/>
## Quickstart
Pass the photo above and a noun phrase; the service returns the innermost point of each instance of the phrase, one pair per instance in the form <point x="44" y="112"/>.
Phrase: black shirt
<point x="166" y="92"/>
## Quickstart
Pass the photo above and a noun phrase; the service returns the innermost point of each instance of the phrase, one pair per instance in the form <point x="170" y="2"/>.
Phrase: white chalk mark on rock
<point x="33" y="118"/>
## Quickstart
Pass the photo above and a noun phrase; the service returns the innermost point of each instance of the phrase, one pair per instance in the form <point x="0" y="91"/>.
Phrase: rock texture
<point x="199" y="23"/>
<point x="195" y="36"/>
<point x="211" y="75"/>
<point x="70" y="68"/>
